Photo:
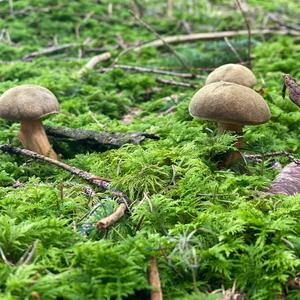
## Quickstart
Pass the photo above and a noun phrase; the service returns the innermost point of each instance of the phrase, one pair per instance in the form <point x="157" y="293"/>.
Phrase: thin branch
<point x="94" y="61"/>
<point x="122" y="53"/>
<point x="169" y="12"/>
<point x="89" y="213"/>
<point x="113" y="218"/>
<point x="211" y="36"/>
<point x="154" y="280"/>
<point x="26" y="259"/>
<point x="6" y="261"/>
<point x="98" y="181"/>
<point x="176" y="83"/>
<point x="50" y="50"/>
<point x="248" y="30"/>
<point x="151" y="70"/>
<point x="233" y="50"/>
<point x="163" y="40"/>
<point x="259" y="157"/>
<point x="78" y="26"/>
<point x="281" y="23"/>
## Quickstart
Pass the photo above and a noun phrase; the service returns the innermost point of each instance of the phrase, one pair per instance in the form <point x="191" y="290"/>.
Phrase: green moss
<point x="208" y="227"/>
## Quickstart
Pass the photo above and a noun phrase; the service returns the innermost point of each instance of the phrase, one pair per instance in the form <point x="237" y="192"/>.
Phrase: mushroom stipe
<point x="232" y="106"/>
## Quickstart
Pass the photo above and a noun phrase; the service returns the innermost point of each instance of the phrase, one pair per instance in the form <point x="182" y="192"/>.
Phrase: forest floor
<point x="210" y="228"/>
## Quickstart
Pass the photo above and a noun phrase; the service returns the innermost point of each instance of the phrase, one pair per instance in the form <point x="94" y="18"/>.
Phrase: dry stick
<point x="163" y="40"/>
<point x="122" y="53"/>
<point x="259" y="157"/>
<point x="6" y="261"/>
<point x="31" y="253"/>
<point x="151" y="70"/>
<point x="94" y="61"/>
<point x="233" y="49"/>
<point x="86" y="18"/>
<point x="279" y="22"/>
<point x="113" y="218"/>
<point x="123" y="199"/>
<point x="212" y="36"/>
<point x="156" y="293"/>
<point x="176" y="83"/>
<point x="169" y="13"/>
<point x="49" y="50"/>
<point x="248" y="30"/>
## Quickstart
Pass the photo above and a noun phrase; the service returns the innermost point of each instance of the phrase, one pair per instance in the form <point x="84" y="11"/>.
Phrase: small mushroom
<point x="232" y="73"/>
<point x="29" y="104"/>
<point x="232" y="106"/>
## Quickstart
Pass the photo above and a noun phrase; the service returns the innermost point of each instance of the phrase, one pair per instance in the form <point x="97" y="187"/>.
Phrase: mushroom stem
<point x="239" y="144"/>
<point x="33" y="137"/>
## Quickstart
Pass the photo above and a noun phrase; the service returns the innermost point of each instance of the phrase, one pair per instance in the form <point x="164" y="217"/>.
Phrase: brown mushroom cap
<point x="232" y="73"/>
<point x="27" y="102"/>
<point x="228" y="102"/>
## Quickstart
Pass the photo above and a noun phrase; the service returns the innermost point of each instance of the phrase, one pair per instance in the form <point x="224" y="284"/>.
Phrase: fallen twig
<point x="176" y="83"/>
<point x="5" y="260"/>
<point x="85" y="19"/>
<point x="212" y="36"/>
<point x="156" y="292"/>
<point x="50" y="50"/>
<point x="113" y="218"/>
<point x="248" y="30"/>
<point x="99" y="182"/>
<point x="281" y="23"/>
<point x="94" y="61"/>
<point x="233" y="50"/>
<point x="163" y="41"/>
<point x="260" y="156"/>
<point x="27" y="257"/>
<point x="151" y="70"/>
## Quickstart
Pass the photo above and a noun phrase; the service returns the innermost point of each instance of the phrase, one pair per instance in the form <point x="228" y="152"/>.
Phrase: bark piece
<point x="288" y="181"/>
<point x="290" y="83"/>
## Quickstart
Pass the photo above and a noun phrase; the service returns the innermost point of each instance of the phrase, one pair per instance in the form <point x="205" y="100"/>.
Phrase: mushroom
<point x="233" y="106"/>
<point x="28" y="104"/>
<point x="232" y="73"/>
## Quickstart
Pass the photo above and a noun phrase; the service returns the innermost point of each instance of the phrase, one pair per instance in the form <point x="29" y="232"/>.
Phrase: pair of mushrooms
<point x="28" y="104"/>
<point x="227" y="98"/>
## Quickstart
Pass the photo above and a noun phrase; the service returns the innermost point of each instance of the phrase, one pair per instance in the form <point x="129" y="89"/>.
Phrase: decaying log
<point x="91" y="138"/>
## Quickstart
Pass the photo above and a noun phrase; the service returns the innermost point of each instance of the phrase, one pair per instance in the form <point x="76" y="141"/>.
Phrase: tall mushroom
<point x="232" y="73"/>
<point x="29" y="104"/>
<point x="232" y="106"/>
